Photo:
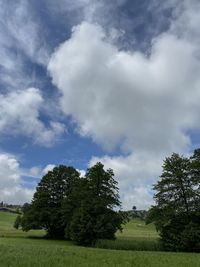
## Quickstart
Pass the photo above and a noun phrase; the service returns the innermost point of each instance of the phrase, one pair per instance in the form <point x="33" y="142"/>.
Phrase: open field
<point x="20" y="252"/>
<point x="16" y="250"/>
<point x="135" y="236"/>
<point x="137" y="228"/>
<point x="7" y="230"/>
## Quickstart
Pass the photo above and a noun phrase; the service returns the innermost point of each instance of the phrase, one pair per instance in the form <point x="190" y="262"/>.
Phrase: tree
<point x="92" y="207"/>
<point x="79" y="209"/>
<point x="176" y="213"/>
<point x="17" y="222"/>
<point x="195" y="178"/>
<point x="45" y="210"/>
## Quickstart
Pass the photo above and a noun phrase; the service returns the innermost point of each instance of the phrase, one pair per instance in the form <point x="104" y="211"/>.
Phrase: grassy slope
<point x="135" y="236"/>
<point x="6" y="227"/>
<point x="25" y="252"/>
<point x="137" y="229"/>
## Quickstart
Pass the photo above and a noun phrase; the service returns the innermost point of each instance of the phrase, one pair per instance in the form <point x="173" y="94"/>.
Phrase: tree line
<point x="84" y="209"/>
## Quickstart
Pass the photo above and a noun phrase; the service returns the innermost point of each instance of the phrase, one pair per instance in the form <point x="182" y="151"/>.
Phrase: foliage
<point x="177" y="210"/>
<point x="90" y="207"/>
<point x="17" y="222"/>
<point x="78" y="209"/>
<point x="45" y="210"/>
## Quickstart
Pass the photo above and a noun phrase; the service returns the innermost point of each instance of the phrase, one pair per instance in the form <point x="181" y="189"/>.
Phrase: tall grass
<point x="136" y="235"/>
<point x="24" y="252"/>
<point x="138" y="244"/>
<point x="27" y="252"/>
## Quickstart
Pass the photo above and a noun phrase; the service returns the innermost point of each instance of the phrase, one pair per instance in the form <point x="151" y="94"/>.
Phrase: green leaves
<point x="79" y="209"/>
<point x="178" y="203"/>
<point x="91" y="204"/>
<point x="45" y="211"/>
<point x="17" y="222"/>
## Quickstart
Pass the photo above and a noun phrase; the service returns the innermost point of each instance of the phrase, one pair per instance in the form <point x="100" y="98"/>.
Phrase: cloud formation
<point x="20" y="41"/>
<point x="48" y="168"/>
<point x="144" y="103"/>
<point x="11" y="190"/>
<point x="119" y="97"/>
<point x="20" y="115"/>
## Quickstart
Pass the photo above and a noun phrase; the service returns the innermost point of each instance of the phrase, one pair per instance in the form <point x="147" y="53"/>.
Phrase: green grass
<point x="138" y="229"/>
<point x="136" y="244"/>
<point x="7" y="230"/>
<point x="135" y="236"/>
<point x="20" y="251"/>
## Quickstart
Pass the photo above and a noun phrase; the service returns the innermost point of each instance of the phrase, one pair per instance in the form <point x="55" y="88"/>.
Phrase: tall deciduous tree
<point x="79" y="209"/>
<point x="45" y="210"/>
<point x="177" y="198"/>
<point x="94" y="216"/>
<point x="195" y="177"/>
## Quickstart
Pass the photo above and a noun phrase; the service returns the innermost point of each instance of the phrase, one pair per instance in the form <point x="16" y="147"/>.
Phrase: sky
<point x="83" y="81"/>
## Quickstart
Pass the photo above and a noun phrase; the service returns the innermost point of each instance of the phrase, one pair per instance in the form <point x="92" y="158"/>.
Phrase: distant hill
<point x="9" y="210"/>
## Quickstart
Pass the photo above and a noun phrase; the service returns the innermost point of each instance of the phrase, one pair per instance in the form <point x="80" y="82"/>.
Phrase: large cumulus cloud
<point x="117" y="96"/>
<point x="145" y="103"/>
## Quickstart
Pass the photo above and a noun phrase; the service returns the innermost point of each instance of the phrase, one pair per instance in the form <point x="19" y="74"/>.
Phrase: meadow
<point x="135" y="236"/>
<point x="19" y="249"/>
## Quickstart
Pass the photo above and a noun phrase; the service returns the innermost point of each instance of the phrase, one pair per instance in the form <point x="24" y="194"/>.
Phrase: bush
<point x="17" y="222"/>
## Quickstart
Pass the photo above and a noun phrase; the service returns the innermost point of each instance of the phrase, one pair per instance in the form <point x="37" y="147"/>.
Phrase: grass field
<point x="17" y="250"/>
<point x="135" y="236"/>
<point x="7" y="230"/>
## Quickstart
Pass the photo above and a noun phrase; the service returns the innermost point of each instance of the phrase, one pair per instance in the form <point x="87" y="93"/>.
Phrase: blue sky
<point x="85" y="81"/>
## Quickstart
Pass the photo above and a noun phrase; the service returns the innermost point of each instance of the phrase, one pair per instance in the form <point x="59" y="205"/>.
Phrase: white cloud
<point x="26" y="34"/>
<point x="34" y="171"/>
<point x="144" y="104"/>
<point x="11" y="190"/>
<point x="20" y="30"/>
<point x="117" y="96"/>
<point x="48" y="168"/>
<point x="20" y="114"/>
<point x="135" y="175"/>
<point x="82" y="172"/>
<point x="20" y="40"/>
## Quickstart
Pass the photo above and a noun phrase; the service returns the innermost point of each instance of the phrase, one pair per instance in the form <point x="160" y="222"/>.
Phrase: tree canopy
<point x="77" y="208"/>
<point x="45" y="210"/>
<point x="177" y="210"/>
<point x="91" y="206"/>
